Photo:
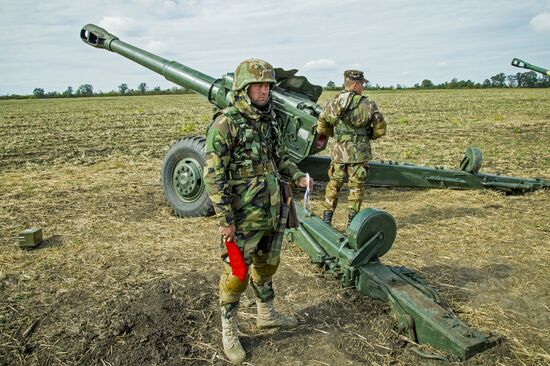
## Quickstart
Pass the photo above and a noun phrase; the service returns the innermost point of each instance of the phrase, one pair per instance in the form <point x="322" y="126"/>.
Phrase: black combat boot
<point x="327" y="217"/>
<point x="351" y="215"/>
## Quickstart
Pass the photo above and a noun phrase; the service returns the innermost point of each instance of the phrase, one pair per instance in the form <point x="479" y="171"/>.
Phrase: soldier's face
<point x="259" y="93"/>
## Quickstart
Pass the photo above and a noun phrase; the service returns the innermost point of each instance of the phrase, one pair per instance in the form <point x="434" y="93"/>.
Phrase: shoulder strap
<point x="355" y="101"/>
<point x="233" y="114"/>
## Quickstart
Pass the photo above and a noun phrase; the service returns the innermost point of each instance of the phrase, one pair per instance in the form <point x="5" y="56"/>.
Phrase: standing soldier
<point x="245" y="161"/>
<point x="352" y="119"/>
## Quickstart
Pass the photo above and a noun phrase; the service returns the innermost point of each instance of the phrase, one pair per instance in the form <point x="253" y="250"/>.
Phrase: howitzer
<point x="353" y="257"/>
<point x="296" y="108"/>
<point x="525" y="65"/>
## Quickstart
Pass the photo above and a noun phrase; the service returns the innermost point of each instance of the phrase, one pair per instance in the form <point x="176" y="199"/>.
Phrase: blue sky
<point x="393" y="41"/>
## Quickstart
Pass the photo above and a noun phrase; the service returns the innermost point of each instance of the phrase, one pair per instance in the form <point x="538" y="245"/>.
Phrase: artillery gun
<point x="525" y="65"/>
<point x="354" y="257"/>
<point x="296" y="108"/>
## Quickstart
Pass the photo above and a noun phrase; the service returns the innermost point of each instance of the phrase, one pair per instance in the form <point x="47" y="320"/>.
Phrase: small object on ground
<point x="30" y="238"/>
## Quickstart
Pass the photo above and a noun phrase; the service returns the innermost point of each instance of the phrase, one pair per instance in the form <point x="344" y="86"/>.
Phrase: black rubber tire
<point x="185" y="148"/>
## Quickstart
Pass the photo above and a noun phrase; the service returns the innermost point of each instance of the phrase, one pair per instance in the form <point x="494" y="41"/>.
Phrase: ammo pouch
<point x="288" y="200"/>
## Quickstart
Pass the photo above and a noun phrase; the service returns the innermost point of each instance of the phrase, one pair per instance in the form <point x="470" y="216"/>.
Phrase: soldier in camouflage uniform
<point x="353" y="120"/>
<point x="245" y="161"/>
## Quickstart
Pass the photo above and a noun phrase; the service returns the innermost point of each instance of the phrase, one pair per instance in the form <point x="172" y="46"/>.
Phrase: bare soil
<point x="121" y="281"/>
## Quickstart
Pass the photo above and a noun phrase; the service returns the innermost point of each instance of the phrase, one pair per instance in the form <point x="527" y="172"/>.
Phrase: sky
<point x="392" y="41"/>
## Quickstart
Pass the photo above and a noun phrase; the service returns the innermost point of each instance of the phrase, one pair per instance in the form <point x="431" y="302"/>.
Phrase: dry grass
<point x="87" y="172"/>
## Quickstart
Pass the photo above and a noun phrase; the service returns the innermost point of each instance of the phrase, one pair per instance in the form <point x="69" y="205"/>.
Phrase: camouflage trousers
<point x="260" y="250"/>
<point x="356" y="173"/>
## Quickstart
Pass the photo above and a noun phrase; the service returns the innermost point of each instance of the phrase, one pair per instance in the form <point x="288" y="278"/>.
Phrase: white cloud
<point x="169" y="9"/>
<point x="541" y="23"/>
<point x="121" y="26"/>
<point x="162" y="48"/>
<point x="215" y="35"/>
<point x="320" y="64"/>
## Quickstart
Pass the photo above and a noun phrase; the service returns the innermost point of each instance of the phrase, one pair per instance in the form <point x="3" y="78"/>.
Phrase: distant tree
<point x="511" y="81"/>
<point x="498" y="80"/>
<point x="123" y="88"/>
<point x="142" y="87"/>
<point x="426" y="84"/>
<point x="38" y="92"/>
<point x="519" y="79"/>
<point x="530" y="79"/>
<point x="85" y="90"/>
<point x="486" y="83"/>
<point x="156" y="89"/>
<point x="68" y="92"/>
<point x="330" y="85"/>
<point x="544" y="82"/>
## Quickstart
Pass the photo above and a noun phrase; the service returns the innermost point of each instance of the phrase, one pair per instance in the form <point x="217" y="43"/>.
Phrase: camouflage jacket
<point x="352" y="120"/>
<point x="245" y="158"/>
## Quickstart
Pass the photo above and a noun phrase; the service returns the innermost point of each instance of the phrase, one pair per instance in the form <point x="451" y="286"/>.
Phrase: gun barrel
<point x="525" y="65"/>
<point x="294" y="98"/>
<point x="173" y="71"/>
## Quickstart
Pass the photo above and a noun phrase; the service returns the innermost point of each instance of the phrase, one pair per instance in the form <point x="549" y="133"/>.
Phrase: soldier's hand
<point x="303" y="183"/>
<point x="228" y="232"/>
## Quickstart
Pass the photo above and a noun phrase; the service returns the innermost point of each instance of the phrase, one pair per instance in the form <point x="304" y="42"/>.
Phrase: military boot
<point x="327" y="217"/>
<point x="230" y="338"/>
<point x="269" y="318"/>
<point x="351" y="215"/>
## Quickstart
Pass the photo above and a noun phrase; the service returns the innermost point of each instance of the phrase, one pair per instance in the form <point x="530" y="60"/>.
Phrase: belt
<point x="255" y="170"/>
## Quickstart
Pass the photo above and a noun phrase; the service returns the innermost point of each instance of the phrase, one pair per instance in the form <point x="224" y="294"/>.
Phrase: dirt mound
<point x="163" y="326"/>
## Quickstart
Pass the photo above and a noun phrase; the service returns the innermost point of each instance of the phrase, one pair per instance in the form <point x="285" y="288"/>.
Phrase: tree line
<point x="529" y="79"/>
<point x="87" y="90"/>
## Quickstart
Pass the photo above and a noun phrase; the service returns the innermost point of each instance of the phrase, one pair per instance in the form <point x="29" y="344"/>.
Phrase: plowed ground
<point x="121" y="281"/>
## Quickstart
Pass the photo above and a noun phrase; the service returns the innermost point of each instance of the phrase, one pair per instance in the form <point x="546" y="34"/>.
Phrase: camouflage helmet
<point x="253" y="71"/>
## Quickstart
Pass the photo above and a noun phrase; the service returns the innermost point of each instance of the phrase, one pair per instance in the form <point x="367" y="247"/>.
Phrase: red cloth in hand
<point x="238" y="267"/>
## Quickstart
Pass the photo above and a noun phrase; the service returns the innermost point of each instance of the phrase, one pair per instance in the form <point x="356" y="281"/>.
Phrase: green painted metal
<point x="187" y="179"/>
<point x="30" y="238"/>
<point x="294" y="97"/>
<point x="395" y="174"/>
<point x="471" y="162"/>
<point x="525" y="65"/>
<point x="297" y="111"/>
<point x="355" y="260"/>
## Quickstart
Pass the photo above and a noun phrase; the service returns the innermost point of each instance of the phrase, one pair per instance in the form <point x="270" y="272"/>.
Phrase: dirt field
<point x="120" y="281"/>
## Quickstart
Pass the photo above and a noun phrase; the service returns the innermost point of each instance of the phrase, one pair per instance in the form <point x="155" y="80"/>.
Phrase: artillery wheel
<point x="181" y="178"/>
<point x="471" y="162"/>
<point x="369" y="222"/>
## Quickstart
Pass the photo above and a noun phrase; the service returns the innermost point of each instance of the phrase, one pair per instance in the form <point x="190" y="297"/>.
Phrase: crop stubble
<point x="119" y="275"/>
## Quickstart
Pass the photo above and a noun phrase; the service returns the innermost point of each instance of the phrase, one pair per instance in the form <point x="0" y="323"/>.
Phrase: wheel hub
<point x="187" y="179"/>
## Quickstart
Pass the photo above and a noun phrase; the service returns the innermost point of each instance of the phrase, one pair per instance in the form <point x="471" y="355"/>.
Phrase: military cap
<point x="355" y="75"/>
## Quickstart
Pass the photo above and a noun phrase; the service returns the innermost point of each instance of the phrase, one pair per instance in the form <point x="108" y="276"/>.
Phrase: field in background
<point x="121" y="281"/>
